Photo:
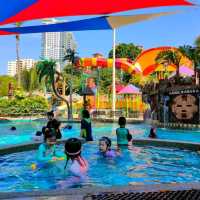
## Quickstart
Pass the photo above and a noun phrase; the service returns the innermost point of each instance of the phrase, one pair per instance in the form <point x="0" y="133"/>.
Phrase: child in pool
<point x="53" y="123"/>
<point x="13" y="128"/>
<point x="123" y="135"/>
<point x="86" y="127"/>
<point x="152" y="133"/>
<point x="79" y="165"/>
<point x="57" y="125"/>
<point x="47" y="150"/>
<point x="105" y="147"/>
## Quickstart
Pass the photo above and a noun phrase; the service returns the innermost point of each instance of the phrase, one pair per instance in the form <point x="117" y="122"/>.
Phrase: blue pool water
<point x="141" y="165"/>
<point x="26" y="129"/>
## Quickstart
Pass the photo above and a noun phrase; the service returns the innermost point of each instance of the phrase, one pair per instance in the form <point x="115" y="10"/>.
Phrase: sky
<point x="172" y="30"/>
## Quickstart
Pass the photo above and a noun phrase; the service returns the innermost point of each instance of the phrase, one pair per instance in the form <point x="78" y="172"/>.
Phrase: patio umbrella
<point x="12" y="11"/>
<point x="129" y="89"/>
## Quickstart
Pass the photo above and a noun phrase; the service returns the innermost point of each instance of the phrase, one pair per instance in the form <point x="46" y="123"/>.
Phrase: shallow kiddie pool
<point x="142" y="165"/>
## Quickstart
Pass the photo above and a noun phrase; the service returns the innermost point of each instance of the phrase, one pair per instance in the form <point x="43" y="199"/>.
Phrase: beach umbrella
<point x="12" y="11"/>
<point x="129" y="90"/>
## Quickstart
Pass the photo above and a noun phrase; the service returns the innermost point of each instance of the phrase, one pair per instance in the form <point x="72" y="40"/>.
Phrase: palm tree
<point x="170" y="57"/>
<point x="192" y="53"/>
<point x="70" y="57"/>
<point x="18" y="24"/>
<point x="47" y="69"/>
<point x="197" y="42"/>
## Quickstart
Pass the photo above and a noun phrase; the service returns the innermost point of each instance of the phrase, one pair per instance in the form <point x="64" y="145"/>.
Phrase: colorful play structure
<point x="146" y="61"/>
<point x="144" y="65"/>
<point x="121" y="63"/>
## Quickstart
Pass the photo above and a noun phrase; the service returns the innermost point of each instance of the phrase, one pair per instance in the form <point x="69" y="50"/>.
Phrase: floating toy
<point x="35" y="166"/>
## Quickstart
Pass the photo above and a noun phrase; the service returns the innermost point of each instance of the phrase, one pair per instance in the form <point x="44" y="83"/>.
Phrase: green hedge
<point x="23" y="107"/>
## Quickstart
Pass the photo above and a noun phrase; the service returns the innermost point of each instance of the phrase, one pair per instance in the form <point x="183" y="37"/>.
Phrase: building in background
<point x="23" y="63"/>
<point x="54" y="44"/>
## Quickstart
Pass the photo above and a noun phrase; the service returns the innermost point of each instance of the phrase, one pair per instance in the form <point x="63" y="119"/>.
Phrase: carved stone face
<point x="184" y="106"/>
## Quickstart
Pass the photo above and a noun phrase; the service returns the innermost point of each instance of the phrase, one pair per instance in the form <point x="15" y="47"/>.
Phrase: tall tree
<point x="192" y="53"/>
<point x="30" y="80"/>
<point x="18" y="64"/>
<point x="123" y="50"/>
<point x="197" y="41"/>
<point x="25" y="79"/>
<point x="47" y="70"/>
<point x="170" y="57"/>
<point x="70" y="56"/>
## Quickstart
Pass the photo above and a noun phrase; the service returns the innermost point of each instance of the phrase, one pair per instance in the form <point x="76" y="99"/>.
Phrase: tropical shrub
<point x="23" y="107"/>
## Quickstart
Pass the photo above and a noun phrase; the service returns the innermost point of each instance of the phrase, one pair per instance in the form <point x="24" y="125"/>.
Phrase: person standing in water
<point x="123" y="135"/>
<point x="86" y="126"/>
<point x="152" y="133"/>
<point x="53" y="123"/>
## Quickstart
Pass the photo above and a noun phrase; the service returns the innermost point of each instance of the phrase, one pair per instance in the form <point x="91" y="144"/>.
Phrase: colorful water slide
<point x="121" y="63"/>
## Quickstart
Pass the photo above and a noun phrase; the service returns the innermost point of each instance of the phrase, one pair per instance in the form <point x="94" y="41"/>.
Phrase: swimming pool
<point x="26" y="129"/>
<point x="142" y="165"/>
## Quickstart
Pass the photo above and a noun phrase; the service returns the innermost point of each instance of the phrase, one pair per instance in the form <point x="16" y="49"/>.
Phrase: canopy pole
<point x="113" y="76"/>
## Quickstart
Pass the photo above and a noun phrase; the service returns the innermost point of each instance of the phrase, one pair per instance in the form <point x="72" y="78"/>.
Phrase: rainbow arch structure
<point x="121" y="63"/>
<point x="146" y="60"/>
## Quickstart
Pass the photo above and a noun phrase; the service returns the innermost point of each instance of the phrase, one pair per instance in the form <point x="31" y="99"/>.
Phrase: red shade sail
<point x="18" y="10"/>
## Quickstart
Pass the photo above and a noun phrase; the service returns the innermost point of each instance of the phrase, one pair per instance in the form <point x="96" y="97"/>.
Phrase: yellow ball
<point x="33" y="166"/>
<point x="61" y="158"/>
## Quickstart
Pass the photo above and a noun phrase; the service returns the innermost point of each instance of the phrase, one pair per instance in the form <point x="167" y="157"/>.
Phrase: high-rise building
<point x="54" y="44"/>
<point x="23" y="63"/>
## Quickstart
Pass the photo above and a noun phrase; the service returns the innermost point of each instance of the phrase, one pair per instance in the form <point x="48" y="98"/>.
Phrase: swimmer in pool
<point x="79" y="165"/>
<point x="123" y="135"/>
<point x="105" y="147"/>
<point x="47" y="150"/>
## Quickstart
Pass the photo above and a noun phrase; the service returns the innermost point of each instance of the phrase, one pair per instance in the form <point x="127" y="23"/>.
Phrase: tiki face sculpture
<point x="184" y="106"/>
